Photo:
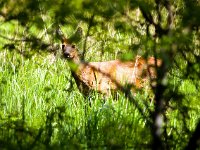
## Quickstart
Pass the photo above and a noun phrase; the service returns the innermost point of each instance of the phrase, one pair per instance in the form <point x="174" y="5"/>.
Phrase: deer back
<point x="111" y="75"/>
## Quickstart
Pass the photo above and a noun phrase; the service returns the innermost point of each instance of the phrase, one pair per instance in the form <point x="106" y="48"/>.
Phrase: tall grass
<point x="37" y="94"/>
<point x="40" y="107"/>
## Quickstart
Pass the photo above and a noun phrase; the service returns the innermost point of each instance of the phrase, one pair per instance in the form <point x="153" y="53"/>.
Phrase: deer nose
<point x="66" y="55"/>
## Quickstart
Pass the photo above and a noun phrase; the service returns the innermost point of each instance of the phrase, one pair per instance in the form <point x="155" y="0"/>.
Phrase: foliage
<point x="39" y="104"/>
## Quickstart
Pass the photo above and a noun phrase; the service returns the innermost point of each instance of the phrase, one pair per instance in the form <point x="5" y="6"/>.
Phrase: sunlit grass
<point x="33" y="88"/>
<point x="42" y="94"/>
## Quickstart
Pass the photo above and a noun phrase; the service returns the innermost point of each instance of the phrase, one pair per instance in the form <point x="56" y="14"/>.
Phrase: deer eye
<point x="73" y="46"/>
<point x="63" y="46"/>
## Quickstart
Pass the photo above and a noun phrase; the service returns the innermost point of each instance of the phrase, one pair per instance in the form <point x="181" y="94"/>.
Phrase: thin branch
<point x="167" y="5"/>
<point x="149" y="18"/>
<point x="158" y="10"/>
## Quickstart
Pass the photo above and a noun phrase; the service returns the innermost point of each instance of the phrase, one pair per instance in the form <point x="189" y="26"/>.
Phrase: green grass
<point x="37" y="94"/>
<point x="40" y="106"/>
<point x="35" y="91"/>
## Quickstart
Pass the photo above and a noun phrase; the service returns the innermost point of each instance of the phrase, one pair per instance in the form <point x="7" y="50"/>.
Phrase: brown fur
<point x="108" y="75"/>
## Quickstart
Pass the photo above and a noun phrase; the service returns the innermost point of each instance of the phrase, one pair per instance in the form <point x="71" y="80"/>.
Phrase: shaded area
<point x="164" y="29"/>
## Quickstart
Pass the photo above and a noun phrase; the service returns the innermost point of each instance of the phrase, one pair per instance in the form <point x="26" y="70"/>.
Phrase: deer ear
<point x="61" y="36"/>
<point x="79" y="31"/>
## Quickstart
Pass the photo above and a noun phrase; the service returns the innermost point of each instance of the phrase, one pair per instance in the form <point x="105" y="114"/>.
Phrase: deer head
<point x="69" y="50"/>
<point x="70" y="53"/>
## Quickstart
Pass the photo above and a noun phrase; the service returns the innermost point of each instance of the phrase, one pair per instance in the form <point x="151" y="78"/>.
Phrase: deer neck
<point x="76" y="65"/>
<point x="75" y="60"/>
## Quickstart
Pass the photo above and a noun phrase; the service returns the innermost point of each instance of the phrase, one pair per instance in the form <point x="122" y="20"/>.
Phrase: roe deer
<point x="109" y="75"/>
